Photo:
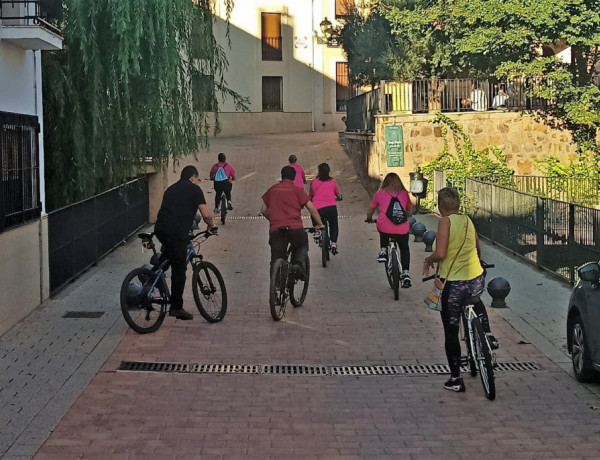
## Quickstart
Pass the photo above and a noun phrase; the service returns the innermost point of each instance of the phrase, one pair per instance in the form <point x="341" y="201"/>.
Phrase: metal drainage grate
<point x="83" y="314"/>
<point x="291" y="369"/>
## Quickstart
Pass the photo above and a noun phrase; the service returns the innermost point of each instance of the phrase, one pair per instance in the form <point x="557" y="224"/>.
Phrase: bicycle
<point x="145" y="297"/>
<point x="393" y="266"/>
<point x="284" y="285"/>
<point x="480" y="356"/>
<point x="324" y="242"/>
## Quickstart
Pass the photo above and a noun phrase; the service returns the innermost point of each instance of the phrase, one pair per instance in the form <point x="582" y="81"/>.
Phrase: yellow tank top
<point x="466" y="266"/>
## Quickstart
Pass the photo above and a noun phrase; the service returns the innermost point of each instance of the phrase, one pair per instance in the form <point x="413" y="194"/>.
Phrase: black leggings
<point x="331" y="214"/>
<point x="222" y="186"/>
<point x="402" y="241"/>
<point x="451" y="332"/>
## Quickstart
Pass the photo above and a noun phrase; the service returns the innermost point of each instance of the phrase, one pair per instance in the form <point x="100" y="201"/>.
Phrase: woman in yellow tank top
<point x="458" y="252"/>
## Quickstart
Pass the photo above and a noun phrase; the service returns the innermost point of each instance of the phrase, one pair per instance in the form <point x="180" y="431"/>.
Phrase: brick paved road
<point x="349" y="318"/>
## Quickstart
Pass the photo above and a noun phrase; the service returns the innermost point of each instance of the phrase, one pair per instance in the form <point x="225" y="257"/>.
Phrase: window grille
<point x="271" y="36"/>
<point x="342" y="7"/>
<point x="19" y="169"/>
<point x="342" y="86"/>
<point x="272" y="94"/>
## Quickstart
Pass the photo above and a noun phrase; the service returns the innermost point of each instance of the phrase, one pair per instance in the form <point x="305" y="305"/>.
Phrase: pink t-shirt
<point x="300" y="178"/>
<point x="322" y="194"/>
<point x="228" y="170"/>
<point x="381" y="201"/>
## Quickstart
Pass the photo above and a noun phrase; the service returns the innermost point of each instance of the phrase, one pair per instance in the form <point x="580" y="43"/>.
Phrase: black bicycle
<point x="285" y="285"/>
<point x="480" y="356"/>
<point x="324" y="243"/>
<point x="223" y="207"/>
<point x="145" y="297"/>
<point x="393" y="266"/>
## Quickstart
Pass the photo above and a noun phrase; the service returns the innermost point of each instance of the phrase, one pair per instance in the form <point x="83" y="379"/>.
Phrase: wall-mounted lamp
<point x="330" y="34"/>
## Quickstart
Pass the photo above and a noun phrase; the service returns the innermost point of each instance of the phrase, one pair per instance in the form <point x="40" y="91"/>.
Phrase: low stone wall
<point x="520" y="137"/>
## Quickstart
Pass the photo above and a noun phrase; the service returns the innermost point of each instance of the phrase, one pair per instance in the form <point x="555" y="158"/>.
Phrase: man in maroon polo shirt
<point x="282" y="205"/>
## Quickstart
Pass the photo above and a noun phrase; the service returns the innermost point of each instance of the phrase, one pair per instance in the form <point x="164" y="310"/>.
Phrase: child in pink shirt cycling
<point x="324" y="192"/>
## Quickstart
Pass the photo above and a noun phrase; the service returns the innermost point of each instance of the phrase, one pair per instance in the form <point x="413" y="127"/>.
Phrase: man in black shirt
<point x="175" y="218"/>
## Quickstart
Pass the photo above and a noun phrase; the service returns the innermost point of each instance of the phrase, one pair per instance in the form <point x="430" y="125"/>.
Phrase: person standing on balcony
<point x="300" y="179"/>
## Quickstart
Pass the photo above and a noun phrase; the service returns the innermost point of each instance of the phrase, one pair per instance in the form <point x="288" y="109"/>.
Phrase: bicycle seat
<point x="145" y="236"/>
<point x="472" y="300"/>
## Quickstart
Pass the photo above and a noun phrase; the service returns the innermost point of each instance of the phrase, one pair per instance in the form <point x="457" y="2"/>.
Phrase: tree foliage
<point x="121" y="91"/>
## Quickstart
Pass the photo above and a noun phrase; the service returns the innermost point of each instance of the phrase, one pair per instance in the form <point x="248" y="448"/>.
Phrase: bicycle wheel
<point x="395" y="275"/>
<point x="277" y="288"/>
<point x="223" y="208"/>
<point x="143" y="305"/>
<point x="209" y="291"/>
<point x="468" y="340"/>
<point x="324" y="245"/>
<point x="299" y="289"/>
<point x="484" y="359"/>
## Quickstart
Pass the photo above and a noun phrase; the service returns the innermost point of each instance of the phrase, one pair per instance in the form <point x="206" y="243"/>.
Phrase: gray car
<point x="583" y="323"/>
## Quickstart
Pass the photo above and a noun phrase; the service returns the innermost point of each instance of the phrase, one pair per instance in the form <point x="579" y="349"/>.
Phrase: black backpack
<point x="395" y="212"/>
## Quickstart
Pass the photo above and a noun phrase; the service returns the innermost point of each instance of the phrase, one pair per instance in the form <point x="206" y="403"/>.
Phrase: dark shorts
<point x="457" y="294"/>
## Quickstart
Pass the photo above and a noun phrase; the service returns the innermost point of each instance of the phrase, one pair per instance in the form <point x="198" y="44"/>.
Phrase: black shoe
<point x="181" y="314"/>
<point x="406" y="281"/>
<point x="493" y="341"/>
<point x="455" y="384"/>
<point x="229" y="206"/>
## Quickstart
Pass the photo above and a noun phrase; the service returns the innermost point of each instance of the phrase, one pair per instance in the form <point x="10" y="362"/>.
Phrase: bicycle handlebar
<point x="484" y="265"/>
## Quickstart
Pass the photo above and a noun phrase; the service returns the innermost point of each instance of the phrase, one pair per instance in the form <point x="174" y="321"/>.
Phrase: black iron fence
<point x="19" y="170"/>
<point x="361" y="111"/>
<point x="555" y="235"/>
<point x="582" y="191"/>
<point x="44" y="13"/>
<point x="81" y="234"/>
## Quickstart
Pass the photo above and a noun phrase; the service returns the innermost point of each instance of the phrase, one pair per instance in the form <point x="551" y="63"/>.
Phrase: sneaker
<point x="406" y="281"/>
<point x="333" y="247"/>
<point x="181" y="314"/>
<point x="317" y="234"/>
<point x="382" y="257"/>
<point x="217" y="211"/>
<point x="493" y="341"/>
<point x="455" y="384"/>
<point x="229" y="206"/>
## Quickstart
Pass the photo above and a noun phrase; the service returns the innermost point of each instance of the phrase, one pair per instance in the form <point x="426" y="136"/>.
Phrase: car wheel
<point x="580" y="356"/>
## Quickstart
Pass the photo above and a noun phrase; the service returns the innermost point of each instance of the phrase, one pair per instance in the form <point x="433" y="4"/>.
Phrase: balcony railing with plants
<point x="42" y="13"/>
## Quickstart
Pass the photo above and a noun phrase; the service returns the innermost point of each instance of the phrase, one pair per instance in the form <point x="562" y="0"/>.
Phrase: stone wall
<point x="520" y="137"/>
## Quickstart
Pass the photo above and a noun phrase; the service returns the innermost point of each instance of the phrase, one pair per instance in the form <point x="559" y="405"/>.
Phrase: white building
<point x="26" y="28"/>
<point x="280" y="57"/>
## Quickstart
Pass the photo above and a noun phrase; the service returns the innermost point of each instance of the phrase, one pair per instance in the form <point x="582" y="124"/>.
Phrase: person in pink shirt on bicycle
<point x="324" y="193"/>
<point x="300" y="179"/>
<point x="223" y="175"/>
<point x="392" y="186"/>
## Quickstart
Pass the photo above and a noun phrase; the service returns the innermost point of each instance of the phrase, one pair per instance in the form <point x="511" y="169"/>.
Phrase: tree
<point x="120" y="92"/>
<point x="480" y="38"/>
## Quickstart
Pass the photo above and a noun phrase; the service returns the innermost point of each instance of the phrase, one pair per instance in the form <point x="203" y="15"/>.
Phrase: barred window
<point x="342" y="7"/>
<point x="270" y="24"/>
<point x="19" y="169"/>
<point x="342" y="86"/>
<point x="272" y="94"/>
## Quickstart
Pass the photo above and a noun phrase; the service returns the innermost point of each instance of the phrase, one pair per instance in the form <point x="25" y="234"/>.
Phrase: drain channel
<point x="290" y="369"/>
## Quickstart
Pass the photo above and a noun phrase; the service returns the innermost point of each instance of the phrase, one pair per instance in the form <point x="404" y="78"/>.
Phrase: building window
<point x="203" y="93"/>
<point x="272" y="94"/>
<point x="19" y="170"/>
<point x="342" y="86"/>
<point x="342" y="7"/>
<point x="202" y="27"/>
<point x="270" y="24"/>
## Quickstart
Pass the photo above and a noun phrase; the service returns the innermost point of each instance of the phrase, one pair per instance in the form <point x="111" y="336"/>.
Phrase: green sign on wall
<point x="394" y="145"/>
